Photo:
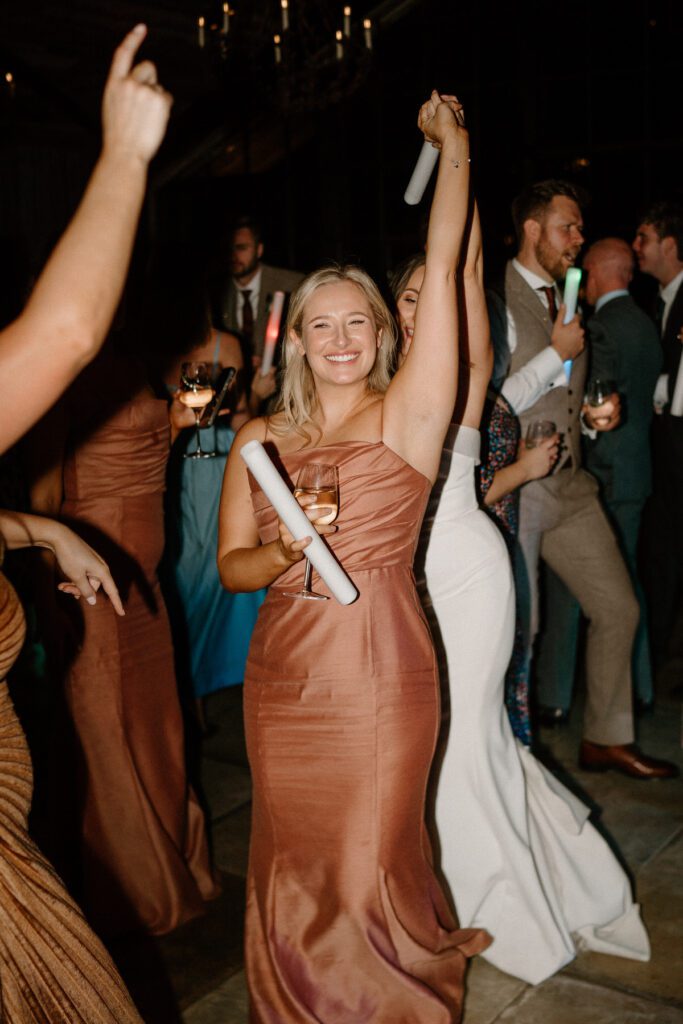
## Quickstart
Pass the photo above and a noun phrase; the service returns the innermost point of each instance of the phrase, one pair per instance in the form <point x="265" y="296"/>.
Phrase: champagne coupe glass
<point x="538" y="431"/>
<point x="598" y="392"/>
<point x="322" y="482"/>
<point x="196" y="391"/>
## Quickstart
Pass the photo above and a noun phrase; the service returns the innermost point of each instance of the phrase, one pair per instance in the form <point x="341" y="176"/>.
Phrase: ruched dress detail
<point x="346" y="922"/>
<point x="145" y="857"/>
<point x="53" y="970"/>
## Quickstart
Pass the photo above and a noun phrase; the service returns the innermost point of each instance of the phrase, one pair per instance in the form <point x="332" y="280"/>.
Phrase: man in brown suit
<point x="561" y="519"/>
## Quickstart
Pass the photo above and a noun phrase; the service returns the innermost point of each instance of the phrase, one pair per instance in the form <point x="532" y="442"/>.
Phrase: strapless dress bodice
<point x="381" y="505"/>
<point x="124" y="455"/>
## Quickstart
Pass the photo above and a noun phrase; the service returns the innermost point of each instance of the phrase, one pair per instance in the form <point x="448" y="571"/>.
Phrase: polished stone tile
<point x="225" y="787"/>
<point x="565" y="1000"/>
<point x="228" y="1004"/>
<point x="660" y="892"/>
<point x="224" y="715"/>
<point x="488" y="992"/>
<point x="231" y="841"/>
<point x="202" y="954"/>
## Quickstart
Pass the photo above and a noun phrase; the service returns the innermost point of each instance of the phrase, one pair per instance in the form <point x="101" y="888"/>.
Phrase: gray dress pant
<point x="562" y="521"/>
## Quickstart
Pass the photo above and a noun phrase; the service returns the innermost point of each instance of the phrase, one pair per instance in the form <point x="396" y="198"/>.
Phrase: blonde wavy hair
<point x="297" y="394"/>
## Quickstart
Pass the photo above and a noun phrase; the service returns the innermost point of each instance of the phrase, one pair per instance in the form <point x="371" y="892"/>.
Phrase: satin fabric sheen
<point x="145" y="852"/>
<point x="346" y="923"/>
<point x="52" y="968"/>
<point x="519" y="855"/>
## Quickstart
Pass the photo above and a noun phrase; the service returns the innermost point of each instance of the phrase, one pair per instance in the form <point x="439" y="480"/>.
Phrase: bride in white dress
<point x="516" y="847"/>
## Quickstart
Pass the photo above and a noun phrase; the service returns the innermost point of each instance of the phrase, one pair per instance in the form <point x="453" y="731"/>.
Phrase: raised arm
<point x="476" y="351"/>
<point x="419" y="402"/>
<point x="71" y="307"/>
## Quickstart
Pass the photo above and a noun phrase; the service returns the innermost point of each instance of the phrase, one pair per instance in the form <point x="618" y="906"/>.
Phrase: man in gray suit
<point x="243" y="302"/>
<point x="561" y="519"/>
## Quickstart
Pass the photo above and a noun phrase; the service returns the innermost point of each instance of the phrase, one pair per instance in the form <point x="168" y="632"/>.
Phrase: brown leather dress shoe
<point x="626" y="758"/>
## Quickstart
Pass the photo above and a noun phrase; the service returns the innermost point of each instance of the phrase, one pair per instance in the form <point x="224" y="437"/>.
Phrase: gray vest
<point x="561" y="405"/>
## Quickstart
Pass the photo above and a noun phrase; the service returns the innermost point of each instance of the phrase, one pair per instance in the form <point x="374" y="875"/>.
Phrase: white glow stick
<point x="296" y="521"/>
<point x="570" y="298"/>
<point x="677" y="399"/>
<point x="272" y="331"/>
<point x="426" y="162"/>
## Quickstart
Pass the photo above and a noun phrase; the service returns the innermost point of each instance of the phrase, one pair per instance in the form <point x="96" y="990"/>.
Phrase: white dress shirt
<point x="546" y="370"/>
<point x="254" y="289"/>
<point x="667" y="294"/>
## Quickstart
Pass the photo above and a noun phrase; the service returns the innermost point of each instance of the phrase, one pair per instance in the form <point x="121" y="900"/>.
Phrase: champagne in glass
<point x="196" y="391"/>
<point x="322" y="484"/>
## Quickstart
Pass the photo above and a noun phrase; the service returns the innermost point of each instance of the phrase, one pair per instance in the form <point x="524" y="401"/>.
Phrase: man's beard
<point x="551" y="260"/>
<point x="246" y="271"/>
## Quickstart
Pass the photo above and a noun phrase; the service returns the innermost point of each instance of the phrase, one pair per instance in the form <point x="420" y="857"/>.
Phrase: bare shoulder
<point x="253" y="430"/>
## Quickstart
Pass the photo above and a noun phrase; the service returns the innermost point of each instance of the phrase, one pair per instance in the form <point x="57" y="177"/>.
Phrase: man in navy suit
<point x="624" y="348"/>
<point x="658" y="246"/>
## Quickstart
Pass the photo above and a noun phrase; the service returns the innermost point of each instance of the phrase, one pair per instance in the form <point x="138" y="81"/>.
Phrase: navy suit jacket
<point x="624" y="347"/>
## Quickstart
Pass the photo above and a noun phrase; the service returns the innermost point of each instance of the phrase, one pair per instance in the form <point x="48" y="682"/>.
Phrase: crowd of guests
<point x="475" y="409"/>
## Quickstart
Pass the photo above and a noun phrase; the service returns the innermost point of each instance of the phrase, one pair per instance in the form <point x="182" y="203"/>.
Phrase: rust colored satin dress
<point x="53" y="970"/>
<point x="346" y="923"/>
<point x="145" y="858"/>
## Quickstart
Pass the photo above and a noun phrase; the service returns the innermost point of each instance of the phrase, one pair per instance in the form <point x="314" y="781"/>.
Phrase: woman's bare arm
<point x="419" y="402"/>
<point x="244" y="564"/>
<point x="67" y="317"/>
<point x="476" y="345"/>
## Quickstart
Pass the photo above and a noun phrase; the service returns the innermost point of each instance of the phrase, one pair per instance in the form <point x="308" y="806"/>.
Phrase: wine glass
<point x="538" y="431"/>
<point x="598" y="392"/>
<point x="322" y="482"/>
<point x="196" y="391"/>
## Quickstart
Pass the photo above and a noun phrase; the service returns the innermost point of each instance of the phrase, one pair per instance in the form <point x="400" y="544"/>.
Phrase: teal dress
<point x="212" y="627"/>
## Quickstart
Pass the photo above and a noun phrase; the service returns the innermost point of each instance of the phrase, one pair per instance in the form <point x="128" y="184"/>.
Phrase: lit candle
<point x="285" y="14"/>
<point x="272" y="331"/>
<point x="9" y="78"/>
<point x="347" y="22"/>
<point x="340" y="47"/>
<point x="278" y="51"/>
<point x="367" y="32"/>
<point x="226" y="18"/>
<point x="202" y="33"/>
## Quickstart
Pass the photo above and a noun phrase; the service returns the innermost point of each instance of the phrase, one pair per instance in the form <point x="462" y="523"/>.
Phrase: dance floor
<point x="199" y="968"/>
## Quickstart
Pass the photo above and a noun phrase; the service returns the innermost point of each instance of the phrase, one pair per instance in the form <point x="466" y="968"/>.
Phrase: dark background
<point x="589" y="90"/>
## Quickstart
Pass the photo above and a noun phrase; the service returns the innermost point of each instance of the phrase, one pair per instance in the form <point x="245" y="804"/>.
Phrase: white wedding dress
<point x="516" y="848"/>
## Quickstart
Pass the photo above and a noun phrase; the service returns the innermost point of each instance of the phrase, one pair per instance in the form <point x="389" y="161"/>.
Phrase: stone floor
<point x="201" y="964"/>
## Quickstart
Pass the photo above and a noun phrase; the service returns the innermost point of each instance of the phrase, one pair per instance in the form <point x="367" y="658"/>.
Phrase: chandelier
<point x="307" y="53"/>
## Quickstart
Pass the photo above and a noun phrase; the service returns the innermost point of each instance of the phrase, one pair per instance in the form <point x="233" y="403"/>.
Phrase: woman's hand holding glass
<point x="538" y="460"/>
<point x="317" y="491"/>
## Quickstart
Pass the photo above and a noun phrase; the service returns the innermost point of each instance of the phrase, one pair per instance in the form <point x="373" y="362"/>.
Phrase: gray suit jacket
<point x="625" y="348"/>
<point x="273" y="279"/>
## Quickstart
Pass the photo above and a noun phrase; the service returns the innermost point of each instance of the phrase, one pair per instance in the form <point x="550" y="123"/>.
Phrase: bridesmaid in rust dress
<point x="144" y="851"/>
<point x="345" y="918"/>
<point x="52" y="967"/>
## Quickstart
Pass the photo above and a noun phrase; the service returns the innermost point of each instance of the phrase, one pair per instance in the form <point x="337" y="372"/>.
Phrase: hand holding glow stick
<point x="426" y="162"/>
<point x="272" y="332"/>
<point x="570" y="298"/>
<point x="297" y="522"/>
